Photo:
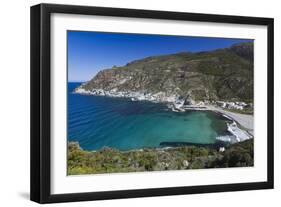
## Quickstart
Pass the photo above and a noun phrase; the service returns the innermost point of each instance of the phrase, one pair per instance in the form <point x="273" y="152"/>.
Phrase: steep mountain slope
<point x="224" y="74"/>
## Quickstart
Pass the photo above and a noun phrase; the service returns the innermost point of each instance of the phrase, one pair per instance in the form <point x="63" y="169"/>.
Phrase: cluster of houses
<point x="133" y="95"/>
<point x="177" y="103"/>
<point x="239" y="105"/>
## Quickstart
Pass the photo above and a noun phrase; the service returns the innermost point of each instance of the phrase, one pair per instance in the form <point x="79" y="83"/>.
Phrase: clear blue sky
<point x="90" y="52"/>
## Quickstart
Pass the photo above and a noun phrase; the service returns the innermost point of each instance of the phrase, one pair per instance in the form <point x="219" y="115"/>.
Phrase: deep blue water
<point x="97" y="122"/>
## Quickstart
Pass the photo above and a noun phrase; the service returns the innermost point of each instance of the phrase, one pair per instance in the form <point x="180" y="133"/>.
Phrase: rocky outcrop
<point x="245" y="50"/>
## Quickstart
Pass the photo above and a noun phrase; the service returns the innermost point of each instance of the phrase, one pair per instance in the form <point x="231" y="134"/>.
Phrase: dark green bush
<point x="109" y="160"/>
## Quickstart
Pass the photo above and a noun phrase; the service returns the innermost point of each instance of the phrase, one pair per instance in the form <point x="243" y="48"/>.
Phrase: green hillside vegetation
<point x="224" y="74"/>
<point x="108" y="160"/>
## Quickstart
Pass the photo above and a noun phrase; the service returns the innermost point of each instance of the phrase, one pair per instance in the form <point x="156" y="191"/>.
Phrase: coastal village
<point x="219" y="82"/>
<point x="178" y="104"/>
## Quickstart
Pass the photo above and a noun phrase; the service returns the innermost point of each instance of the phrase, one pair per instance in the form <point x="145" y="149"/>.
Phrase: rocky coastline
<point x="177" y="104"/>
<point x="159" y="97"/>
<point x="220" y="81"/>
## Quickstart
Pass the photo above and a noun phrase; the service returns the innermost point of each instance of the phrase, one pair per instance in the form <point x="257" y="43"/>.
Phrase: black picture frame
<point x="41" y="96"/>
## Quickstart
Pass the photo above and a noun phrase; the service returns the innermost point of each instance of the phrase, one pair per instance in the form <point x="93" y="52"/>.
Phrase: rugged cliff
<point x="224" y="74"/>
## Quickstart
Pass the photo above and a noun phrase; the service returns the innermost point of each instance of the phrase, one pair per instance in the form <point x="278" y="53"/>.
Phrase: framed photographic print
<point x="133" y="103"/>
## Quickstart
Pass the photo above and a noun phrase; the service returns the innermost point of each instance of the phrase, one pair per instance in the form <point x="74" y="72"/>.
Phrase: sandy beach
<point x="245" y="120"/>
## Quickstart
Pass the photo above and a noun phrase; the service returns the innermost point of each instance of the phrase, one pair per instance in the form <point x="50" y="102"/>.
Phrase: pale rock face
<point x="172" y="98"/>
<point x="81" y="90"/>
<point x="222" y="149"/>
<point x="114" y="90"/>
<point x="185" y="163"/>
<point x="122" y="81"/>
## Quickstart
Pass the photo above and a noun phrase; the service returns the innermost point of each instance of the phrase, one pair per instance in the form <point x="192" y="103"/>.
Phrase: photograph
<point x="133" y="103"/>
<point x="156" y="102"/>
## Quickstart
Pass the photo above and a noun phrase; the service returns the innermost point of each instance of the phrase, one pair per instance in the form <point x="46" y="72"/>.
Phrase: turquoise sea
<point x="97" y="122"/>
